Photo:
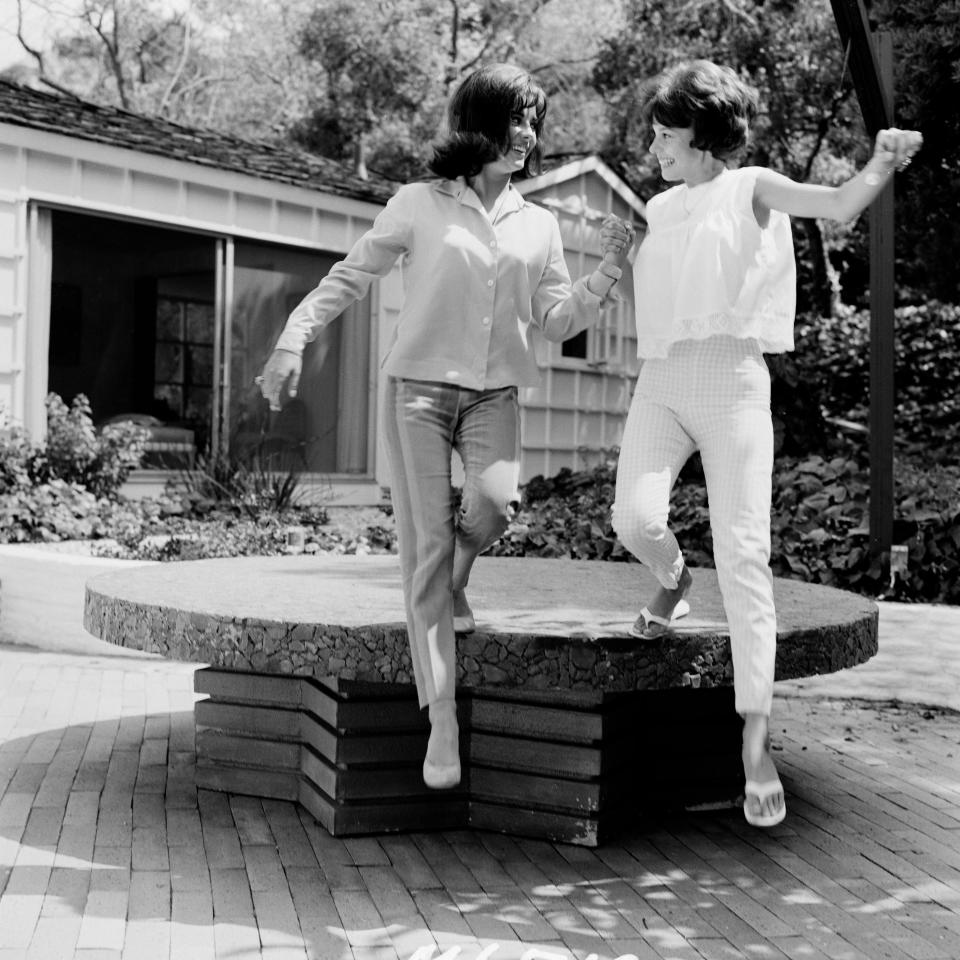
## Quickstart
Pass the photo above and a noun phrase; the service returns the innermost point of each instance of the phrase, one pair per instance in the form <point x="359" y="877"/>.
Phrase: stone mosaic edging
<point x="516" y="657"/>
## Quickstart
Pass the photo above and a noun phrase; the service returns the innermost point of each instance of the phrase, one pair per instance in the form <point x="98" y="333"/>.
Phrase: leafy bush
<point x="568" y="515"/>
<point x="819" y="524"/>
<point x="220" y="482"/>
<point x="15" y="453"/>
<point x="828" y="377"/>
<point x="820" y="528"/>
<point x="60" y="489"/>
<point x="75" y="452"/>
<point x="55" y="510"/>
<point x="156" y="534"/>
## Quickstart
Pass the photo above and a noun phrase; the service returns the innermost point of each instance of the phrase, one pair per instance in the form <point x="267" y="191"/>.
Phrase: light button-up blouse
<point x="473" y="286"/>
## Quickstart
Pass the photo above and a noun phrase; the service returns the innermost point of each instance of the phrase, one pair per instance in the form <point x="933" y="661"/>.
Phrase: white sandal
<point x="761" y="792"/>
<point x="648" y="626"/>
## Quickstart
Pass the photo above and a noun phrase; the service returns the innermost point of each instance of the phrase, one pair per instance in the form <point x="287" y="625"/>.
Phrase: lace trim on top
<point x="742" y="326"/>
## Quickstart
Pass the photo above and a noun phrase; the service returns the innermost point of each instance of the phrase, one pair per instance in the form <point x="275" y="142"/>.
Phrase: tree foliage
<point x="808" y="126"/>
<point x="387" y="67"/>
<point x="379" y="63"/>
<point x="230" y="66"/>
<point x="926" y="45"/>
<point x="366" y="81"/>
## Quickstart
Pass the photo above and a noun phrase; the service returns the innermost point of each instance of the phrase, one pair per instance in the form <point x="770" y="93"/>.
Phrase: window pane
<point x="200" y="365"/>
<point x="170" y="399"/>
<point x="324" y="429"/>
<point x="131" y="286"/>
<point x="576" y="346"/>
<point x="200" y="317"/>
<point x="168" y="363"/>
<point x="198" y="405"/>
<point x="169" y="319"/>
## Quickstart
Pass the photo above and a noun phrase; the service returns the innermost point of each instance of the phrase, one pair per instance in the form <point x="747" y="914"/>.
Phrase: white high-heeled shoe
<point x="442" y="776"/>
<point x="463" y="621"/>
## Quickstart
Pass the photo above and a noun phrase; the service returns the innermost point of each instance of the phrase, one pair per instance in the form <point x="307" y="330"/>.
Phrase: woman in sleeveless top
<point x="715" y="285"/>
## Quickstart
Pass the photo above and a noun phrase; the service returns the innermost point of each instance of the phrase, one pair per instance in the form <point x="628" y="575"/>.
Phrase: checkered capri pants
<point x="711" y="395"/>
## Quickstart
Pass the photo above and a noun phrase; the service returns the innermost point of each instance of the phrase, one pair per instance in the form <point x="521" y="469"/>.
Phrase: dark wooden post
<point x="882" y="360"/>
<point x="871" y="67"/>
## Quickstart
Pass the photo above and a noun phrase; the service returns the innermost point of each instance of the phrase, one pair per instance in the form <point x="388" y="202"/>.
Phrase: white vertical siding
<point x="580" y="407"/>
<point x="13" y="279"/>
<point x="54" y="170"/>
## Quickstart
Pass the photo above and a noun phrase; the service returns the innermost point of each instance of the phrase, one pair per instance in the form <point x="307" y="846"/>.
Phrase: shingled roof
<point x="25" y="107"/>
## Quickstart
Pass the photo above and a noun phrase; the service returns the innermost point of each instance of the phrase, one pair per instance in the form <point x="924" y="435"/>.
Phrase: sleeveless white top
<point x="706" y="267"/>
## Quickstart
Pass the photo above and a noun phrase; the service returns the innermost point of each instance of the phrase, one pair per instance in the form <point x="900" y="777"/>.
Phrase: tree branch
<point x="181" y="64"/>
<point x="454" y="38"/>
<point x="95" y="19"/>
<point x="38" y="56"/>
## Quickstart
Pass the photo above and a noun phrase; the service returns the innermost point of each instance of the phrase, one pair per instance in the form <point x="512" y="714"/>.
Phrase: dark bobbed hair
<point x="479" y="120"/>
<point x="710" y="98"/>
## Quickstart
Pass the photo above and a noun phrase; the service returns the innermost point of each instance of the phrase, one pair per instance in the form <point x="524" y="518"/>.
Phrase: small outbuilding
<point x="151" y="266"/>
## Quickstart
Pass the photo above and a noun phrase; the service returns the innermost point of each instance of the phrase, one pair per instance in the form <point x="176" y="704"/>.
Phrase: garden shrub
<point x="75" y="452"/>
<point x="248" y="486"/>
<point x="819" y="523"/>
<point x="828" y="377"/>
<point x="55" y="510"/>
<point x="60" y="489"/>
<point x="15" y="453"/>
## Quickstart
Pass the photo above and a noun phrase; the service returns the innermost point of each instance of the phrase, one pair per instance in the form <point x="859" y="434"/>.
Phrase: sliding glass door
<point x="325" y="428"/>
<point x="132" y="322"/>
<point x="169" y="328"/>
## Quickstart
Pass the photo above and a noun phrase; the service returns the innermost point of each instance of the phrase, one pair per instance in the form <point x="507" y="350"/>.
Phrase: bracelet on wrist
<point x="873" y="178"/>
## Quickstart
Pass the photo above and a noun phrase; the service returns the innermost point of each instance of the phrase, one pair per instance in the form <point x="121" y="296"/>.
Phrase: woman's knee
<point x="638" y="528"/>
<point x="482" y="518"/>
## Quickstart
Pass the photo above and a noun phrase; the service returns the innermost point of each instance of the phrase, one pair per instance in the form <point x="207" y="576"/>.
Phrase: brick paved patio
<point x="108" y="852"/>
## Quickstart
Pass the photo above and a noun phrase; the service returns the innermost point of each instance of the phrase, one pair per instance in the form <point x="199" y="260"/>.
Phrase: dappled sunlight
<point x="803" y="897"/>
<point x="101" y="822"/>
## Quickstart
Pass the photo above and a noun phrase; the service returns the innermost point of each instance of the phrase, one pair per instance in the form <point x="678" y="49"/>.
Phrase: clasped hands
<point x="284" y="366"/>
<point x="616" y="239"/>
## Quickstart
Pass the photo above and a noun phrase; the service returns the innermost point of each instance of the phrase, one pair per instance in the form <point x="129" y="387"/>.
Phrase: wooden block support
<point x="570" y="767"/>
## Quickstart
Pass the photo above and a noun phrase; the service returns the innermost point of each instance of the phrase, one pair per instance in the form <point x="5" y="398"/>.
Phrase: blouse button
<point x="489" y="283"/>
<point x="486" y="321"/>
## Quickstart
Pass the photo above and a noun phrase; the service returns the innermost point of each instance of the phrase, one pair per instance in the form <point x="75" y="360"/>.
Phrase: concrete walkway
<point x="107" y="850"/>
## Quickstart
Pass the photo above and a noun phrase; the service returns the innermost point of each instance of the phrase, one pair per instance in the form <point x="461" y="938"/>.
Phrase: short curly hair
<point x="710" y="98"/>
<point x="479" y="120"/>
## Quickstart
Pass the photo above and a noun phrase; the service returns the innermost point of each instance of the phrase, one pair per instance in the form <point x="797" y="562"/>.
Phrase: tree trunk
<point x="360" y="157"/>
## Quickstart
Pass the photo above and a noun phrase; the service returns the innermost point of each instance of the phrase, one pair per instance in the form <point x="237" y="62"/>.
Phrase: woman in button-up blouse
<point x="480" y="265"/>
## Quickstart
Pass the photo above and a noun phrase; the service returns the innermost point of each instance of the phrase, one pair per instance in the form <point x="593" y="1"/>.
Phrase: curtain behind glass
<point x="325" y="428"/>
<point x="38" y="319"/>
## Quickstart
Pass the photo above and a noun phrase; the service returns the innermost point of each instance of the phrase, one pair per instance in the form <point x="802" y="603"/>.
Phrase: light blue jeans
<point x="423" y="423"/>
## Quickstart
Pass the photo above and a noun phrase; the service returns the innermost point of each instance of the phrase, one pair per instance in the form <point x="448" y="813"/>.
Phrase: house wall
<point x="41" y="168"/>
<point x="576" y="412"/>
<point x="13" y="296"/>
<point x="579" y="408"/>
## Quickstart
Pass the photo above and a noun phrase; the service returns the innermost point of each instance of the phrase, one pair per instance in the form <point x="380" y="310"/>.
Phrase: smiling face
<point x="679" y="161"/>
<point x="522" y="138"/>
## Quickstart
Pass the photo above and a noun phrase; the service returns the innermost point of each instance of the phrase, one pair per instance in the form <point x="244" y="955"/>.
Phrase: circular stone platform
<point x="541" y="624"/>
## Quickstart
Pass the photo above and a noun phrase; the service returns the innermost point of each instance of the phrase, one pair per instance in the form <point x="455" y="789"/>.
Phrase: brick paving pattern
<point x="109" y="852"/>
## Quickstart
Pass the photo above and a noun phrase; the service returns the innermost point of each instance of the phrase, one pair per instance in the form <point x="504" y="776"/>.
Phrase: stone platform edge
<point x="525" y="657"/>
